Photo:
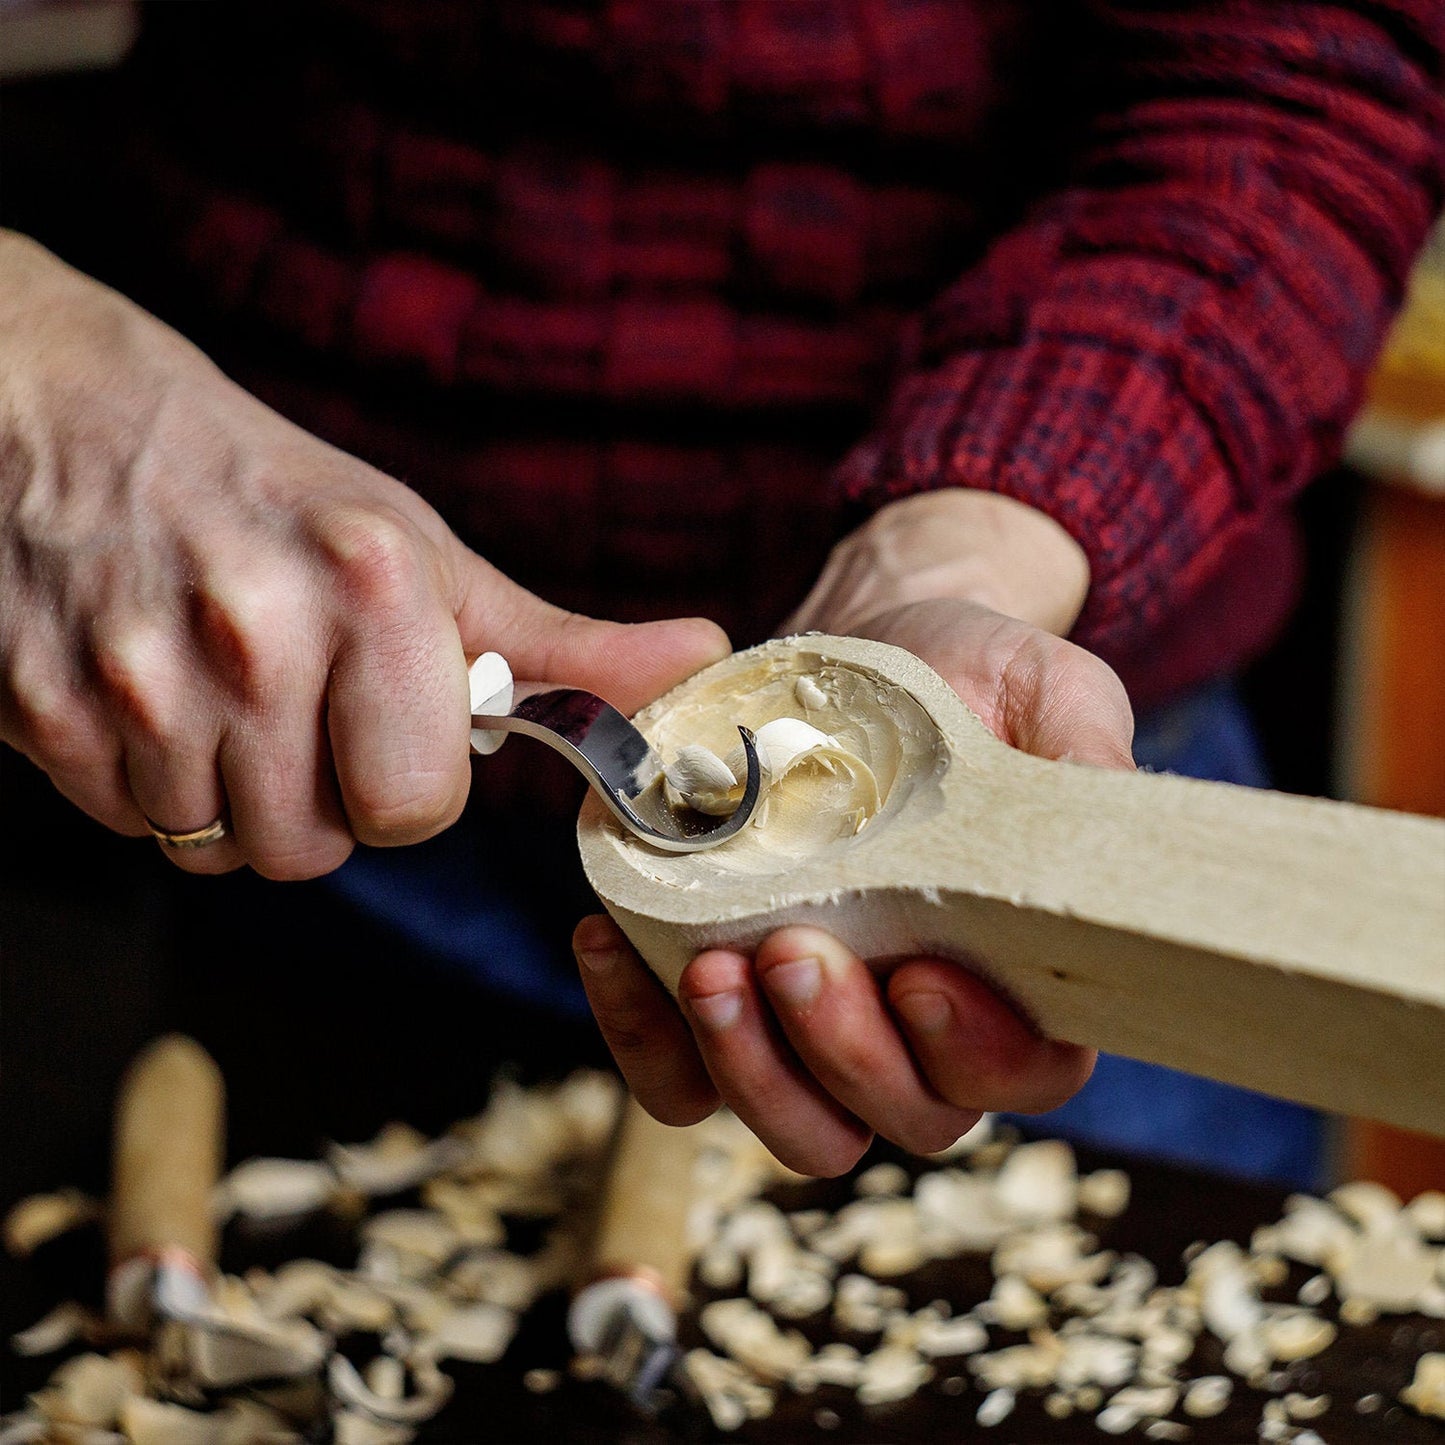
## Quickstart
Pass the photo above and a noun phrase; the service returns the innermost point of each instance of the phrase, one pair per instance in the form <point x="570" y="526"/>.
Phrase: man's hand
<point x="206" y="612"/>
<point x="811" y="1047"/>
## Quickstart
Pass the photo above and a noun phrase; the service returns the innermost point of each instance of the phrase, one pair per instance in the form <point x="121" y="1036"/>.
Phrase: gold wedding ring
<point x="197" y="838"/>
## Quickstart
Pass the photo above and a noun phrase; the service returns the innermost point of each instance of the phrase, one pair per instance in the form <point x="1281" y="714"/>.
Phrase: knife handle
<point x="169" y="1136"/>
<point x="642" y="1223"/>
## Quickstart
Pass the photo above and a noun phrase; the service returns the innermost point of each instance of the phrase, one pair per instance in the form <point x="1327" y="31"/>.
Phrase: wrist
<point x="1011" y="557"/>
<point x="957" y="543"/>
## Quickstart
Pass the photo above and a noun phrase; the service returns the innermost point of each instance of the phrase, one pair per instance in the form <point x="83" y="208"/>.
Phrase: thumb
<point x="628" y="664"/>
<point x="1062" y="702"/>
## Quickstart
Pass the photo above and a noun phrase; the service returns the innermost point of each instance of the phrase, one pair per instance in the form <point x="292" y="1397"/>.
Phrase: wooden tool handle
<point x="1286" y="944"/>
<point x="169" y="1127"/>
<point x="642" y="1221"/>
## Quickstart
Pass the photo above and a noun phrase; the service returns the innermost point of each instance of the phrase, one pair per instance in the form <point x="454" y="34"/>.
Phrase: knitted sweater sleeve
<point x="1172" y="344"/>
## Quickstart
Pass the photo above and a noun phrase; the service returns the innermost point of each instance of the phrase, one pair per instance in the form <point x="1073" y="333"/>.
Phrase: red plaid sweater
<point x="617" y="283"/>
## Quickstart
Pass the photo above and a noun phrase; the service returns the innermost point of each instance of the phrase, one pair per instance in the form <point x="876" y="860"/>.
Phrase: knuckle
<point x="374" y="556"/>
<point x="51" y="728"/>
<point x="137" y="681"/>
<point x="241" y="627"/>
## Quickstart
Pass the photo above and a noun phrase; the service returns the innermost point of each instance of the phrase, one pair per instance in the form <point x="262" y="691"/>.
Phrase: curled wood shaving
<point x="963" y="1335"/>
<point x="352" y="1392"/>
<point x="835" y="1364"/>
<point x="1426" y="1213"/>
<point x="1372" y="1206"/>
<point x="1384" y="1267"/>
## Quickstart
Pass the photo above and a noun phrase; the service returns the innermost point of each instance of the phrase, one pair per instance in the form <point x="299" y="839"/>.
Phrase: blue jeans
<point x="1148" y="1109"/>
<point x="498" y="903"/>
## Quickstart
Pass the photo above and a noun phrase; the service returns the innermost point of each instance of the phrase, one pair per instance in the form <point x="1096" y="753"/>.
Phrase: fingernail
<point x="925" y="1012"/>
<point x="717" y="1011"/>
<point x="796" y="983"/>
<point x="598" y="961"/>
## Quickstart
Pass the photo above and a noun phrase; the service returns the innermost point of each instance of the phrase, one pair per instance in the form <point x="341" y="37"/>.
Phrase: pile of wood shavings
<point x="1089" y="1332"/>
<point x="800" y="1304"/>
<point x="432" y="1283"/>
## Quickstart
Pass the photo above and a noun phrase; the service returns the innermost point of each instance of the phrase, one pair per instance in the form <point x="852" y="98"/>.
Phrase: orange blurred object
<point x="1393" y="721"/>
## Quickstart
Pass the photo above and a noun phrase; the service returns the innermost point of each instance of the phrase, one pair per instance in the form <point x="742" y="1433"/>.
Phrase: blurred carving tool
<point x="626" y="1313"/>
<point x="169" y="1144"/>
<point x="169" y="1133"/>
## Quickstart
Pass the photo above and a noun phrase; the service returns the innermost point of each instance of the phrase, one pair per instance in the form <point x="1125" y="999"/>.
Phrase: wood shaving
<point x="891" y="1373"/>
<point x="1105" y="1192"/>
<point x="1426" y="1212"/>
<point x="835" y="1364"/>
<point x="882" y="1179"/>
<point x="732" y="1395"/>
<point x="751" y="1337"/>
<point x="1426" y="1392"/>
<point x="1305" y="1407"/>
<point x="1293" y="1335"/>
<point x="964" y="1335"/>
<point x="1167" y="1430"/>
<point x="63" y="1326"/>
<point x="1372" y="1206"/>
<point x="91" y="1389"/>
<point x="997" y="1406"/>
<point x="1383" y="1267"/>
<point x="1052" y="1256"/>
<point x="399" y="1158"/>
<point x="39" y="1218"/>
<point x="1207" y="1396"/>
<point x="1014" y="1304"/>
<point x="476" y="1332"/>
<point x="240" y="1422"/>
<point x="967" y="1143"/>
<point x="275" y="1189"/>
<point x="1038" y="1183"/>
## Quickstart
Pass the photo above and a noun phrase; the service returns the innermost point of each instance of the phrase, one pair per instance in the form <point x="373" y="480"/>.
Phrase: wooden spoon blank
<point x="1292" y="945"/>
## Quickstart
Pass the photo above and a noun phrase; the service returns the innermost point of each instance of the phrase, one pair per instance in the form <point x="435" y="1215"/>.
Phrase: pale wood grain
<point x="169" y="1142"/>
<point x="648" y="1194"/>
<point x="1286" y="944"/>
